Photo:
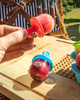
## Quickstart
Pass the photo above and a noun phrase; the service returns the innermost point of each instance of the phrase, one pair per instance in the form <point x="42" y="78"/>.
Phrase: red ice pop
<point x="40" y="67"/>
<point x="41" y="24"/>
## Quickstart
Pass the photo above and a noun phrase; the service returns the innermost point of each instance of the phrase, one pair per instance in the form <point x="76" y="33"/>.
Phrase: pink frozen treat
<point x="41" y="66"/>
<point x="41" y="24"/>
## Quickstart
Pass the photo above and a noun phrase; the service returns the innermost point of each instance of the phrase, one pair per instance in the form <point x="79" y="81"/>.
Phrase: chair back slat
<point x="32" y="10"/>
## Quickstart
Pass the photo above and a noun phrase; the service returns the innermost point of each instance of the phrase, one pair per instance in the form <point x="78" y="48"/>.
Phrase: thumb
<point x="14" y="38"/>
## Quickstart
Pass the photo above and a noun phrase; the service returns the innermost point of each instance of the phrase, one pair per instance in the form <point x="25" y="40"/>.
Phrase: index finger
<point x="5" y="29"/>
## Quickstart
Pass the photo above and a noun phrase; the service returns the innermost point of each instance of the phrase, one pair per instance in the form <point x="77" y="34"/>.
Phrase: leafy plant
<point x="68" y="5"/>
<point x="79" y="29"/>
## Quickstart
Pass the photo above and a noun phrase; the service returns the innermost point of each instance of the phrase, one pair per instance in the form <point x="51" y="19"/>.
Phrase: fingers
<point x="13" y="38"/>
<point x="24" y="46"/>
<point x="28" y="40"/>
<point x="5" y="29"/>
<point x="12" y="55"/>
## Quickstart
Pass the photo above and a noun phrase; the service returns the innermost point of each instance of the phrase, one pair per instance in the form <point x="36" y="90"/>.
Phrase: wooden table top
<point x="16" y="83"/>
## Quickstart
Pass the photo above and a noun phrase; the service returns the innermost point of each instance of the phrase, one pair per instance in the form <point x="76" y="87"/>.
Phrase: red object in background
<point x="41" y="24"/>
<point x="39" y="69"/>
<point x="78" y="61"/>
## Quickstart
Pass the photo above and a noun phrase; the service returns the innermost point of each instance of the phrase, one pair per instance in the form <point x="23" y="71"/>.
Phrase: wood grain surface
<point x="55" y="87"/>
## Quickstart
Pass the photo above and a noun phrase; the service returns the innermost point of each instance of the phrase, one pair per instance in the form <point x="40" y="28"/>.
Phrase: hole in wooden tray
<point x="34" y="45"/>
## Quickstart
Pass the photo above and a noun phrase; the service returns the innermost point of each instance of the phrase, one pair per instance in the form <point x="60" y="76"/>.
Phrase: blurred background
<point x="71" y="10"/>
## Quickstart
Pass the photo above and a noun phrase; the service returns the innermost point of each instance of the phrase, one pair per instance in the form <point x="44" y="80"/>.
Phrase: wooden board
<point x="55" y="87"/>
<point x="63" y="67"/>
<point x="16" y="91"/>
<point x="57" y="48"/>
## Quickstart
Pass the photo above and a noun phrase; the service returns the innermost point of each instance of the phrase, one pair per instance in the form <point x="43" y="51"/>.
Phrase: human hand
<point x="13" y="42"/>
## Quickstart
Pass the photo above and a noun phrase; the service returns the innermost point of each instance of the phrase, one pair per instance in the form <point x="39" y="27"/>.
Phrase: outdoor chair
<point x="18" y="13"/>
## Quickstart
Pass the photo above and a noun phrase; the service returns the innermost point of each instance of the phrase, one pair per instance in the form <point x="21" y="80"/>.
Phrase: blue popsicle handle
<point x="73" y="55"/>
<point x="46" y="53"/>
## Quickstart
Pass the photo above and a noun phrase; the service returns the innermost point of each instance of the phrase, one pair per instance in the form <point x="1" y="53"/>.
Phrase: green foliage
<point x="79" y="29"/>
<point x="77" y="2"/>
<point x="65" y="2"/>
<point x="68" y="5"/>
<point x="64" y="10"/>
<point x="70" y="2"/>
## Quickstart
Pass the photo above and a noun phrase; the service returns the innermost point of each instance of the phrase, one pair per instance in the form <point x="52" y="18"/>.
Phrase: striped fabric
<point x="20" y="21"/>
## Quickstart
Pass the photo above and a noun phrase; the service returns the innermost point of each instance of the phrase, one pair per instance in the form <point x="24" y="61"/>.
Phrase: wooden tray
<point x="63" y="67"/>
<point x="16" y="82"/>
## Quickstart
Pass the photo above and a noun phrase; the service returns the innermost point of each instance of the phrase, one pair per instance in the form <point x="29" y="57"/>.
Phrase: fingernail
<point x="25" y="34"/>
<point x="22" y="52"/>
